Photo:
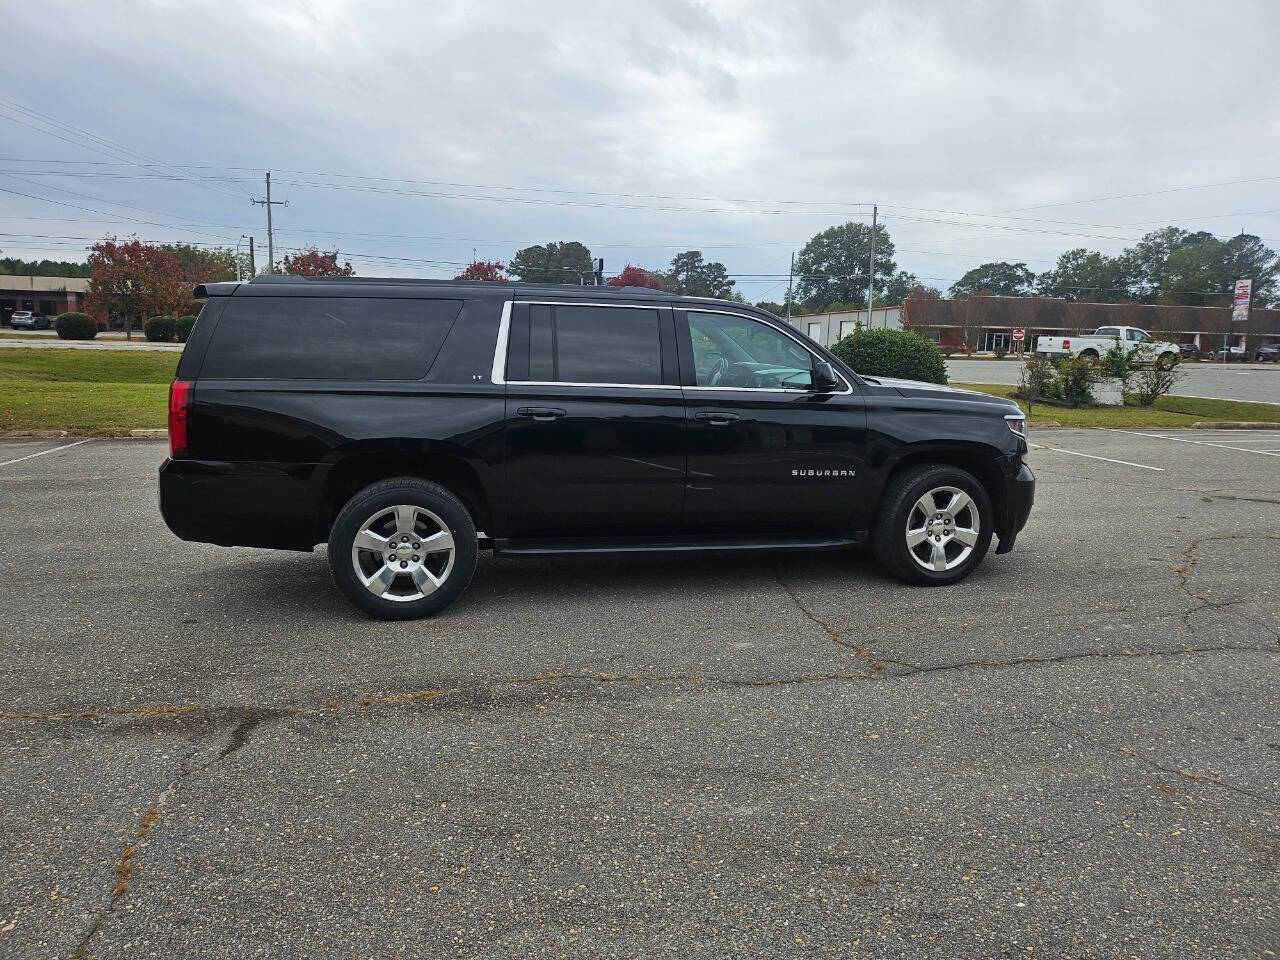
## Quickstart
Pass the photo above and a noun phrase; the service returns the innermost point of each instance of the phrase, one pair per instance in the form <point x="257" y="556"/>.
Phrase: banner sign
<point x="1240" y="303"/>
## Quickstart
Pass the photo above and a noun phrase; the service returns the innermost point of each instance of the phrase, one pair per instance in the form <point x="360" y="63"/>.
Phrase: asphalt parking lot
<point x="1255" y="382"/>
<point x="1074" y="753"/>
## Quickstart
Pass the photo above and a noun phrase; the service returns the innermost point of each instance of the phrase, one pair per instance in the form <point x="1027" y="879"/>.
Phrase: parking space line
<point x="1203" y="443"/>
<point x="1076" y="453"/>
<point x="1199" y="396"/>
<point x="32" y="456"/>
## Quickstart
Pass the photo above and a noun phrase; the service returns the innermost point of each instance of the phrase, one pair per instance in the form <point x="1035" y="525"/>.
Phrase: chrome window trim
<point x="499" y="370"/>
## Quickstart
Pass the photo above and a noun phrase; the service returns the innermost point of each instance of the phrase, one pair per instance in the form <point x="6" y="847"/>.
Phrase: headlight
<point x="1017" y="423"/>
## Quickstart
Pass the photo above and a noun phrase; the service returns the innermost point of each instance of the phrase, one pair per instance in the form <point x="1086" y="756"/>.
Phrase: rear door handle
<point x="541" y="414"/>
<point x="716" y="418"/>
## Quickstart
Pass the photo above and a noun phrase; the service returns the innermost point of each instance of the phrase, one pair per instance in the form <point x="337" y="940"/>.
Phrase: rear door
<point x="594" y="422"/>
<point x="768" y="455"/>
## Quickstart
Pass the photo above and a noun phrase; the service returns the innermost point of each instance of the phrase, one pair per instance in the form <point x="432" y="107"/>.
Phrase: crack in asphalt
<point x="1192" y="776"/>
<point x="1190" y="558"/>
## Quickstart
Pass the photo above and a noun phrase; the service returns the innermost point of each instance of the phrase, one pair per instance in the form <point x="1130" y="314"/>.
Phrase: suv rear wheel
<point x="403" y="548"/>
<point x="934" y="525"/>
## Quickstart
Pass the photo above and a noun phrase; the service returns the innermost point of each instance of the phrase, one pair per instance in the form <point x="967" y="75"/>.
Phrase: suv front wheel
<point x="403" y="548"/>
<point x="934" y="526"/>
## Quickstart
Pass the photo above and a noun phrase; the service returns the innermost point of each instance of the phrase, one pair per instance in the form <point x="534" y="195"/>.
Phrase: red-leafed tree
<point x="493" y="270"/>
<point x="633" y="276"/>
<point x="313" y="263"/>
<point x="133" y="280"/>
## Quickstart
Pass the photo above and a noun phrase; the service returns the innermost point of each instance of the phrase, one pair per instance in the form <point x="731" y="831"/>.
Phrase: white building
<point x="827" y="328"/>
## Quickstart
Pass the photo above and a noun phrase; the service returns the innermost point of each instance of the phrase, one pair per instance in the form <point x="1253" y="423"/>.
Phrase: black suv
<point x="411" y="423"/>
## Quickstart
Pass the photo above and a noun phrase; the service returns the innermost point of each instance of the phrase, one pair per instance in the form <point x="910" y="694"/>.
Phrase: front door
<point x="768" y="455"/>
<point x="594" y="422"/>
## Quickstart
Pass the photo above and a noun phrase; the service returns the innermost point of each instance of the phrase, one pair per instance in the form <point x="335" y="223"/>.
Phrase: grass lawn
<point x="93" y="393"/>
<point x="1167" y="411"/>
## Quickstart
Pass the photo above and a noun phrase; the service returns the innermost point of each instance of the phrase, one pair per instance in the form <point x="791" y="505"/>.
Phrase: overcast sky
<point x="640" y="129"/>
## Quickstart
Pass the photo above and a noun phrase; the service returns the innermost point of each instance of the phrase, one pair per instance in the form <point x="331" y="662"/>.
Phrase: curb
<point x="141" y="433"/>
<point x="1234" y="425"/>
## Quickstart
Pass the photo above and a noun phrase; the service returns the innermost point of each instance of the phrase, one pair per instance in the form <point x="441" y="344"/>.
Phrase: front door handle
<point x="717" y="418"/>
<point x="541" y="414"/>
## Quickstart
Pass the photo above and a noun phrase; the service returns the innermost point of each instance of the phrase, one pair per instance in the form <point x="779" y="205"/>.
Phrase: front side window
<point x="579" y="344"/>
<point x="736" y="352"/>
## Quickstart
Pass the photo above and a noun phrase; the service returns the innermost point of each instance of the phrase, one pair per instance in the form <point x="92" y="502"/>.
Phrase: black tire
<point x="1089" y="354"/>
<point x="896" y="507"/>
<point x="1166" y="360"/>
<point x="408" y="491"/>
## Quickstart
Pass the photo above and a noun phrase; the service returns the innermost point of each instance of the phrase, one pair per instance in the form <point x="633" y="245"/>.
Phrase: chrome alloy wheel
<point x="942" y="529"/>
<point x="403" y="553"/>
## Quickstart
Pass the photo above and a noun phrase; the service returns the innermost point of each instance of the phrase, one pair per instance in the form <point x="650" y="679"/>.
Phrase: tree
<point x="208" y="265"/>
<point x="997" y="278"/>
<point x="312" y="263"/>
<point x="896" y="290"/>
<point x="692" y="276"/>
<point x="1245" y="257"/>
<point x="491" y="270"/>
<point x="568" y="262"/>
<point x="633" y="276"/>
<point x="1087" y="275"/>
<point x="1193" y="271"/>
<point x="134" y="278"/>
<point x="13" y="266"/>
<point x="832" y="266"/>
<point x="913" y="309"/>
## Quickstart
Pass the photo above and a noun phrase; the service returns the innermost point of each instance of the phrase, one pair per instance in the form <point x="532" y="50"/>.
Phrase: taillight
<point x="179" y="401"/>
<point x="1066" y="344"/>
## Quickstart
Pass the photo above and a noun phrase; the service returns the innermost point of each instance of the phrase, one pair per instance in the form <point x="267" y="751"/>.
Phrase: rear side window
<point x="572" y="344"/>
<point x="323" y="338"/>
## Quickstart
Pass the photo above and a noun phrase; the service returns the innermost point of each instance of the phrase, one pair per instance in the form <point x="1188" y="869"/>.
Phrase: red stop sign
<point x="1019" y="334"/>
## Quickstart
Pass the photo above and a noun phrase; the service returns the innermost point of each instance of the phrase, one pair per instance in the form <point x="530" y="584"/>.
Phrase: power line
<point x="96" y="144"/>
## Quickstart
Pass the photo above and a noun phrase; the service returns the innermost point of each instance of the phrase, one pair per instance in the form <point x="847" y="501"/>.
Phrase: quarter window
<point x="739" y="353"/>
<point x="328" y="338"/>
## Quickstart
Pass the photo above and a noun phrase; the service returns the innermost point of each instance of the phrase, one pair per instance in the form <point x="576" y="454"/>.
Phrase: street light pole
<point x="871" y="269"/>
<point x="238" y="242"/>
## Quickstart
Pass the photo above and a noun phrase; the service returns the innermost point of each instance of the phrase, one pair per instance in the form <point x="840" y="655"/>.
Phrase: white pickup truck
<point x="1160" y="352"/>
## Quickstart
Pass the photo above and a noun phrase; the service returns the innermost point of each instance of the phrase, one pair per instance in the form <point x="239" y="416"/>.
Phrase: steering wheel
<point x="717" y="372"/>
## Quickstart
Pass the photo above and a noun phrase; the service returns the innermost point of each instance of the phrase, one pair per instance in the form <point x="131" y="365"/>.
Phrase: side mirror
<point x="824" y="378"/>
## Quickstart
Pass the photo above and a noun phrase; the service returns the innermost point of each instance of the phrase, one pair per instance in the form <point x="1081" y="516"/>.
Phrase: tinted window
<point x="321" y="338"/>
<point x="735" y="352"/>
<point x="1108" y="332"/>
<point x="569" y="344"/>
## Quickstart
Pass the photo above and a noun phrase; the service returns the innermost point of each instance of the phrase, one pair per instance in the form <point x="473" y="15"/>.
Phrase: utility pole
<point x="871" y="268"/>
<point x="599" y="271"/>
<point x="271" y="238"/>
<point x="790" y="276"/>
<point x="253" y="270"/>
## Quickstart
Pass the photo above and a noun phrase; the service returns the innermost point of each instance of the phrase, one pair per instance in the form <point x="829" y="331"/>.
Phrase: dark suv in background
<point x="410" y="423"/>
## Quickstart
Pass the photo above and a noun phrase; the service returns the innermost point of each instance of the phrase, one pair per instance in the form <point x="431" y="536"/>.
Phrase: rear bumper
<point x="239" y="504"/>
<point x="1019" y="495"/>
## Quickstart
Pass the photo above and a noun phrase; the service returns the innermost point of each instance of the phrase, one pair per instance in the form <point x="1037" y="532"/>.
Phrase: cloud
<point x="976" y="106"/>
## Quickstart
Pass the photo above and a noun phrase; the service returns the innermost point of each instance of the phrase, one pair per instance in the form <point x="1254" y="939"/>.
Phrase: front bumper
<point x="1019" y="495"/>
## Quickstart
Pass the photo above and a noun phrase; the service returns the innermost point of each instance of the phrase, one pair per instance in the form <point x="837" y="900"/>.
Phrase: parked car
<point x="1161" y="352"/>
<point x="1267" y="353"/>
<point x="26" y="320"/>
<point x="1189" y="351"/>
<point x="394" y="419"/>
<point x="1231" y="355"/>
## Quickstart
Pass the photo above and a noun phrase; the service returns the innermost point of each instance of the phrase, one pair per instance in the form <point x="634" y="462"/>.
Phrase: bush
<point x="1000" y="353"/>
<point x="182" y="328"/>
<point x="75" y="326"/>
<point x="892" y="353"/>
<point x="1036" y="379"/>
<point x="1151" y="382"/>
<point x="1076" y="377"/>
<point x="159" y="329"/>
